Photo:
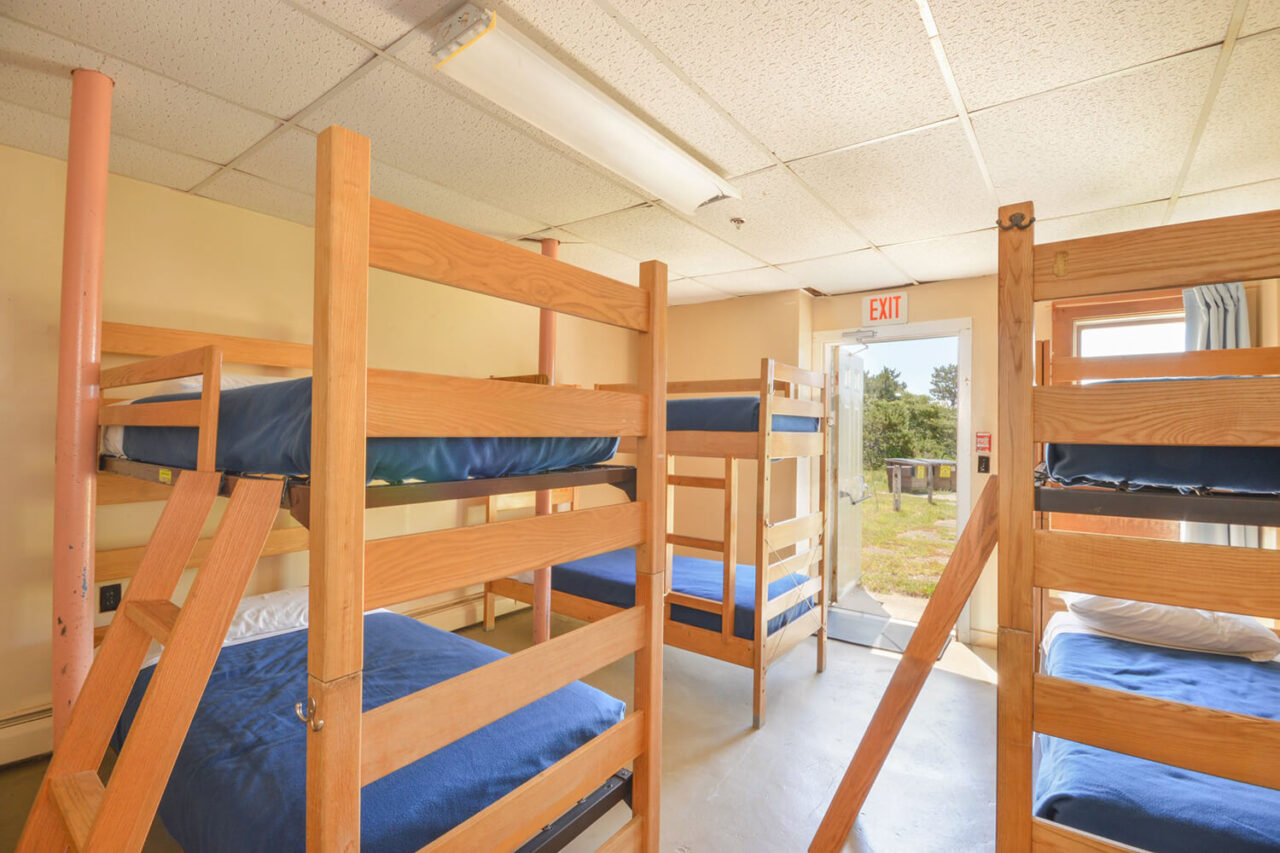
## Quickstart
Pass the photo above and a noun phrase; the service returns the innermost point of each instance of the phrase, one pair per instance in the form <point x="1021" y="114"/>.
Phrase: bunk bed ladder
<point x="73" y="806"/>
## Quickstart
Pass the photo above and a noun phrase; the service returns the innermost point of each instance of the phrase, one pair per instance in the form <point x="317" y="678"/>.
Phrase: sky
<point x="914" y="360"/>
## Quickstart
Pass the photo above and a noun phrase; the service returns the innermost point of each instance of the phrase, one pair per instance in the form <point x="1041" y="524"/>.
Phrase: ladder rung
<point x="156" y="616"/>
<point x="79" y="796"/>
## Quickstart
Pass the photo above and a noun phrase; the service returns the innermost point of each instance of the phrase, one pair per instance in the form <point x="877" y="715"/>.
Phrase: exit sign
<point x="884" y="309"/>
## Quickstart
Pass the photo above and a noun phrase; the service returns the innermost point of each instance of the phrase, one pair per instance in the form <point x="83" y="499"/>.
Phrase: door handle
<point x="866" y="495"/>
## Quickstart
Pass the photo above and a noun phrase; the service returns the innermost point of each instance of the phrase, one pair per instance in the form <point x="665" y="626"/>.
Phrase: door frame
<point x="961" y="328"/>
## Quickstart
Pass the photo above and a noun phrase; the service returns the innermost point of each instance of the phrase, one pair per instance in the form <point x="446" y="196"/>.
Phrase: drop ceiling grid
<point x="1241" y="142"/>
<point x="1115" y="141"/>
<point x="1002" y="50"/>
<point x="229" y="48"/>
<point x="930" y="177"/>
<point x="35" y="69"/>
<point x="870" y="73"/>
<point x="648" y="231"/>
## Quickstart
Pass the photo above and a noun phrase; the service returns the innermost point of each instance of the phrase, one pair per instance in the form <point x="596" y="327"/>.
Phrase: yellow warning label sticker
<point x="166" y="476"/>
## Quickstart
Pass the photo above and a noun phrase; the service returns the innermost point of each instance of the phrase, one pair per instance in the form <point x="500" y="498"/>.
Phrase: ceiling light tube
<point x="498" y="62"/>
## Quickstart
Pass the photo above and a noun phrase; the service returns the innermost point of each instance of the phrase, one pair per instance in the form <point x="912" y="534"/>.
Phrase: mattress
<point x="1148" y="805"/>
<point x="729" y="414"/>
<point x="239" y="781"/>
<point x="610" y="578"/>
<point x="1250" y="470"/>
<point x="266" y="429"/>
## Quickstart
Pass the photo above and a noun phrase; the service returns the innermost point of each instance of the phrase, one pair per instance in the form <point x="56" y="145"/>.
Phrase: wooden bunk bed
<point x="1212" y="741"/>
<point x="788" y="577"/>
<point x="348" y="744"/>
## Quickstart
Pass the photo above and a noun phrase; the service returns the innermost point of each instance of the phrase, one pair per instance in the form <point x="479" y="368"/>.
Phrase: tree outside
<point x="905" y="552"/>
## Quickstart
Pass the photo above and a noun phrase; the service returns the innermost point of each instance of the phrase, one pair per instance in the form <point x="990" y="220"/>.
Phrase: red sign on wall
<point x="884" y="309"/>
<point x="983" y="444"/>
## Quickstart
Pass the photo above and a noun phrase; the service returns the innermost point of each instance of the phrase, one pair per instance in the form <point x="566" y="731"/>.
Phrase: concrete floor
<point x="728" y="788"/>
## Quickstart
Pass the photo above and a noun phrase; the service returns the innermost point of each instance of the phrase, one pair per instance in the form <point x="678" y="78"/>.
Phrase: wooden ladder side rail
<point x="954" y="588"/>
<point x="94" y="716"/>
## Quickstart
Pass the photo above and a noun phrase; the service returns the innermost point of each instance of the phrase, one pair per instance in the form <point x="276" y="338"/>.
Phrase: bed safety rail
<point x="201" y="413"/>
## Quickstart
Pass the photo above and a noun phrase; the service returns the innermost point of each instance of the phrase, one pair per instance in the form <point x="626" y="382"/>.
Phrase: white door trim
<point x="824" y="344"/>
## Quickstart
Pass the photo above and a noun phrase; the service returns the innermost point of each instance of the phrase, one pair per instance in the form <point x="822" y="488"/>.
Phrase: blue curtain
<point x="1217" y="318"/>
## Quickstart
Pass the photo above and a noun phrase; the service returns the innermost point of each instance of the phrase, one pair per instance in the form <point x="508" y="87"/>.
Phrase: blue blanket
<point x="1253" y="470"/>
<point x="610" y="578"/>
<point x="266" y="429"/>
<point x="239" y="781"/>
<point x="1148" y="805"/>
<point x="729" y="414"/>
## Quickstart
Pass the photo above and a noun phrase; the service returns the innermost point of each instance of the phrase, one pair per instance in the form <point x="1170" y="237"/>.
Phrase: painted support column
<point x="542" y="506"/>
<point x="79" y="365"/>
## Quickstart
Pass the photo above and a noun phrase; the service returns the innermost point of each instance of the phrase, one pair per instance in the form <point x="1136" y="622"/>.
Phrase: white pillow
<point x="229" y="382"/>
<point x="1176" y="627"/>
<point x="269" y="613"/>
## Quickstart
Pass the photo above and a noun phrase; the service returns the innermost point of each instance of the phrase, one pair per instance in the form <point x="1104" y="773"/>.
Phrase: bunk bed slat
<point x="409" y="243"/>
<point x="1216" y="577"/>
<point x="625" y="839"/>
<point x="792" y="597"/>
<point x="696" y="542"/>
<point x="522" y="813"/>
<point x="1218" y="412"/>
<point x="1233" y="248"/>
<point x="798" y="407"/>
<point x="403" y="404"/>
<point x="174" y="413"/>
<point x="739" y="445"/>
<point x="1252" y="361"/>
<point x="156" y="616"/>
<point x="784" y="534"/>
<point x="394" y="735"/>
<point x="785" y="445"/>
<point x="792" y="634"/>
<point x="1055" y="838"/>
<point x="1220" y="743"/>
<point x="121" y="563"/>
<point x="800" y="562"/>
<point x="695" y="602"/>
<point x="401" y="568"/>
<point x="130" y="339"/>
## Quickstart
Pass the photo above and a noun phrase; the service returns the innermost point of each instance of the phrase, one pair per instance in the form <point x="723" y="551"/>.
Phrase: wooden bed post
<point x="547" y="367"/>
<point x="728" y="609"/>
<point x="335" y="646"/>
<point x="653" y="559"/>
<point x="79" y="363"/>
<point x="763" y="511"/>
<point x="822" y="511"/>
<point x="1015" y="463"/>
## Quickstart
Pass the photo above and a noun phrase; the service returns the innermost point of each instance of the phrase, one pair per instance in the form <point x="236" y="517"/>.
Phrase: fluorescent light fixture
<point x="495" y="60"/>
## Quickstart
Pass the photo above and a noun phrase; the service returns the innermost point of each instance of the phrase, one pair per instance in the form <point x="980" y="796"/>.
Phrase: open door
<point x="851" y="487"/>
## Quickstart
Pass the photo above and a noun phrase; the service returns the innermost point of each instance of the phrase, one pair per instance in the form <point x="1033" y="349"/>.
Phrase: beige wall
<point x="727" y="340"/>
<point x="187" y="262"/>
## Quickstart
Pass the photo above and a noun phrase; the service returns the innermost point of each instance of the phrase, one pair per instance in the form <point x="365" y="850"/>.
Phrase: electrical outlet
<point x="108" y="597"/>
<point x="984" y="463"/>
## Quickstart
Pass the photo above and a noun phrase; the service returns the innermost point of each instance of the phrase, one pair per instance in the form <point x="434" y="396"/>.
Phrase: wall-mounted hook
<point x="1016" y="220"/>
<point x="309" y="716"/>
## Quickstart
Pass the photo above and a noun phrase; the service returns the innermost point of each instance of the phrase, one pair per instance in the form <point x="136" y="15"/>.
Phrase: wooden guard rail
<point x="954" y="588"/>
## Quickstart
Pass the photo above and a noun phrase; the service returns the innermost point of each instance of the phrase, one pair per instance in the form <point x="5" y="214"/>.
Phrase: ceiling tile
<point x="378" y="22"/>
<point x="1253" y="198"/>
<point x="35" y="71"/>
<point x="1241" y="143"/>
<point x="1097" y="222"/>
<point x="852" y="271"/>
<point x="918" y="185"/>
<point x="686" y="291"/>
<point x="804" y="76"/>
<point x="1109" y="143"/>
<point x="782" y="220"/>
<point x="1005" y="49"/>
<point x="287" y="157"/>
<point x="254" y="193"/>
<point x="266" y="56"/>
<point x="650" y="232"/>
<point x="423" y="130"/>
<point x="424" y="196"/>
<point x="590" y="41"/>
<point x="589" y="256"/>
<point x="46" y="134"/>
<point x="1261" y="15"/>
<point x="957" y="256"/>
<point x="744" y="282"/>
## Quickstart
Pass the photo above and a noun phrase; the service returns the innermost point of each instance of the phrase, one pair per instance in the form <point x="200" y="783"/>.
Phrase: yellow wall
<point x="727" y="340"/>
<point x="187" y="262"/>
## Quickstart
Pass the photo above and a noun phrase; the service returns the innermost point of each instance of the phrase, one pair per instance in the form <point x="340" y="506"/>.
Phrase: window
<point x="1146" y="335"/>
